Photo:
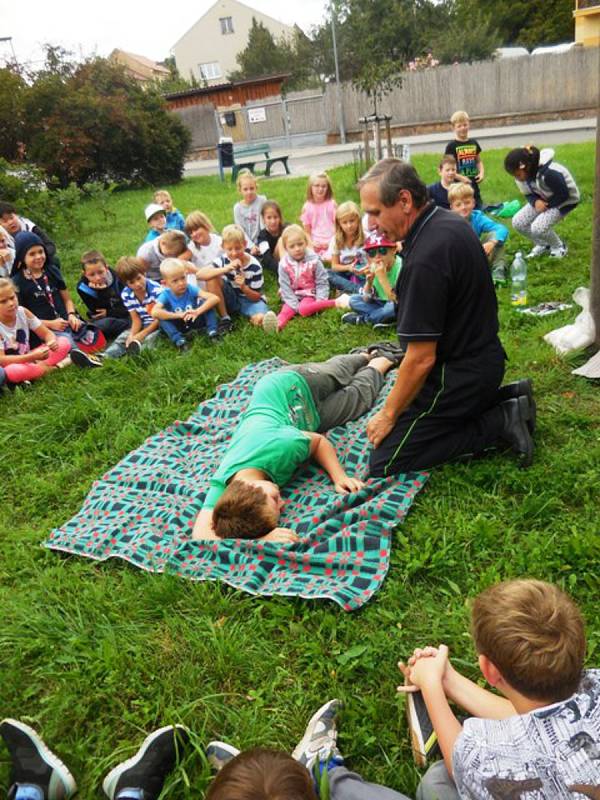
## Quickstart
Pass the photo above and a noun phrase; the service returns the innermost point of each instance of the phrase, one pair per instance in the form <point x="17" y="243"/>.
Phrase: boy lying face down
<point x="280" y="430"/>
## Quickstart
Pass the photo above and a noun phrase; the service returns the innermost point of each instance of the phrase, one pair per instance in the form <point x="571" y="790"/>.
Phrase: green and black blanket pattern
<point x="143" y="511"/>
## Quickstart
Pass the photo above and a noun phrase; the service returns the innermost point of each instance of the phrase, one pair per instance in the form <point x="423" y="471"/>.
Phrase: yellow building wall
<point x="587" y="26"/>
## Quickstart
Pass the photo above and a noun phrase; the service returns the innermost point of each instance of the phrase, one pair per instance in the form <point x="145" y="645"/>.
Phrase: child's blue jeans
<point x="177" y="329"/>
<point x="374" y="310"/>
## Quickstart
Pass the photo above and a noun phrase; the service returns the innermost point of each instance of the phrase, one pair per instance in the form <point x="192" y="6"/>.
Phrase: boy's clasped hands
<point x="426" y="666"/>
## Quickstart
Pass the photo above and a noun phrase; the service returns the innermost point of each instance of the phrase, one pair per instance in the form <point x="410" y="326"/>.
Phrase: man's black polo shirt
<point x="445" y="291"/>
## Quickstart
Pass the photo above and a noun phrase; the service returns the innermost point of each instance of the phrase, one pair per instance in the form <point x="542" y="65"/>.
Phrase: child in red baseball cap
<point x="376" y="303"/>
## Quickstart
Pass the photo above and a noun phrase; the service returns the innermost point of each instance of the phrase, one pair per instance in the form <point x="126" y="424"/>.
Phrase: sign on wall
<point x="257" y="114"/>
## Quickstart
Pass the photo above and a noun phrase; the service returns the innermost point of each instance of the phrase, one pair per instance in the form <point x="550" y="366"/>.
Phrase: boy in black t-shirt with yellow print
<point x="467" y="153"/>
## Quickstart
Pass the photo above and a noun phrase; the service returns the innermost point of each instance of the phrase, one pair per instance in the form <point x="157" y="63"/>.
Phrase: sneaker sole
<point x="214" y="760"/>
<point x="269" y="322"/>
<point x="60" y="772"/>
<point x="303" y="743"/>
<point x="420" y="747"/>
<point x="81" y="359"/>
<point x="110" y="782"/>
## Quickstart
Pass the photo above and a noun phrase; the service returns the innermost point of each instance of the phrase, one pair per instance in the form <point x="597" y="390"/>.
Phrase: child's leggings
<point x="538" y="226"/>
<point x="308" y="306"/>
<point x="31" y="371"/>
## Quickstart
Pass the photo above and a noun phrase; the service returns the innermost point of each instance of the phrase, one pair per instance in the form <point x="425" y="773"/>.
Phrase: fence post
<point x="286" y="123"/>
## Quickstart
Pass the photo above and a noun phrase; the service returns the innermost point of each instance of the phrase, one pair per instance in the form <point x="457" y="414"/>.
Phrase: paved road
<point x="305" y="160"/>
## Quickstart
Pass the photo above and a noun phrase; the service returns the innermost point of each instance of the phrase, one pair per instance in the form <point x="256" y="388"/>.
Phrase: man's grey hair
<point x="392" y="175"/>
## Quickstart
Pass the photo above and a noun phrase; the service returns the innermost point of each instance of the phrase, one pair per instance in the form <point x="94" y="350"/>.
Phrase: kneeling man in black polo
<point x="447" y="402"/>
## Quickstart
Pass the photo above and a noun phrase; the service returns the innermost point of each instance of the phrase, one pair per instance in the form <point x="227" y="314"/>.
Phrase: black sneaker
<point x="148" y="768"/>
<point x="33" y="764"/>
<point x="422" y="736"/>
<point x="85" y="360"/>
<point x="351" y="318"/>
<point x="521" y="388"/>
<point x="134" y="348"/>
<point x="224" y="325"/>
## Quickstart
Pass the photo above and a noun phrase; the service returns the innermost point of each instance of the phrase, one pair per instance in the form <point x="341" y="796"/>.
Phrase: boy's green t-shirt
<point x="392" y="278"/>
<point x="270" y="434"/>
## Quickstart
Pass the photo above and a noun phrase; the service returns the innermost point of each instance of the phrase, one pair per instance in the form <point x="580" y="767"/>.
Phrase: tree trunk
<point x="595" y="269"/>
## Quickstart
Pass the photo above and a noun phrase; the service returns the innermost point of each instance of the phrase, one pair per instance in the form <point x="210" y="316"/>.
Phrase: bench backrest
<point x="251" y="149"/>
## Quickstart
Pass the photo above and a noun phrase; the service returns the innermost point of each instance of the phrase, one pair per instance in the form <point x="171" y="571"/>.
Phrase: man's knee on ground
<point x="243" y="512"/>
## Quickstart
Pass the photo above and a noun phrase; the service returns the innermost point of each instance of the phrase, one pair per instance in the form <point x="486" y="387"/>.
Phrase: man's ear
<point x="490" y="671"/>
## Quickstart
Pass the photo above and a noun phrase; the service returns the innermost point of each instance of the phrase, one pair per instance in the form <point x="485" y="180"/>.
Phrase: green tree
<point x="12" y="87"/>
<point x="531" y="22"/>
<point x="467" y="33"/>
<point x="92" y="122"/>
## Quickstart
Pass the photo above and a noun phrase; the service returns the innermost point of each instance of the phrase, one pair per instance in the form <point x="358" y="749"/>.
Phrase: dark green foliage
<point x="92" y="122"/>
<point x="531" y="22"/>
<point x="11" y="112"/>
<point x="469" y="32"/>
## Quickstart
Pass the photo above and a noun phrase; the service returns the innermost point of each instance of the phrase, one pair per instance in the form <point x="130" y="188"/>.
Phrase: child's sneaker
<point x="33" y="764"/>
<point x="423" y="737"/>
<point x="319" y="740"/>
<point x="181" y="345"/>
<point x="378" y="326"/>
<point x="85" y="360"/>
<point x="538" y="250"/>
<point x="269" y="322"/>
<point x="134" y="348"/>
<point x="219" y="753"/>
<point x="224" y="326"/>
<point x="560" y="251"/>
<point x="148" y="768"/>
<point x="351" y="318"/>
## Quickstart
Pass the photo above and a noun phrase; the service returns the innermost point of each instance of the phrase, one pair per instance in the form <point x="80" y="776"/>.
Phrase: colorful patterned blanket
<point x="143" y="511"/>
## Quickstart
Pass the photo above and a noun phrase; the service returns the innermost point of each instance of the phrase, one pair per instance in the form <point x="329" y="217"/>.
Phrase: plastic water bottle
<point x="518" y="276"/>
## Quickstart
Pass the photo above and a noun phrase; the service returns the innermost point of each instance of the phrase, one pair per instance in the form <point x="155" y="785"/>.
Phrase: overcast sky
<point x="147" y="27"/>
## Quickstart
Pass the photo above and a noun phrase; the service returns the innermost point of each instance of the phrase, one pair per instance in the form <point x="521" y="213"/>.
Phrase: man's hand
<point x="281" y="535"/>
<point x="379" y="426"/>
<point x="346" y="485"/>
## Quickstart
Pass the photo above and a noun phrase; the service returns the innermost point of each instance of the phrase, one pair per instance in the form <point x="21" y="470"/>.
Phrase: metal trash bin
<point x="225" y="154"/>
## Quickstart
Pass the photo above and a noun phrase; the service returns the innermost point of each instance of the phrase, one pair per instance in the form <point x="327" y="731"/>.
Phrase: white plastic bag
<point x="581" y="333"/>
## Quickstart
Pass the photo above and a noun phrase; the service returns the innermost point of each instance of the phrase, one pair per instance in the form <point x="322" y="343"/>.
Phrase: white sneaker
<point x="560" y="251"/>
<point x="319" y="740"/>
<point x="538" y="250"/>
<point x="343" y="301"/>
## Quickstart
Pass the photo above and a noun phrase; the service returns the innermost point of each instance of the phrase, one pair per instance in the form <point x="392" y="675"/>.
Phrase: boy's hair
<point x="459" y="116"/>
<point x="319" y="176"/>
<point x="534" y="634"/>
<point x="272" y="205"/>
<point x="92" y="257"/>
<point x="197" y="219"/>
<point x="162" y="194"/>
<point x="171" y="265"/>
<point x="293" y="230"/>
<point x="348" y="209"/>
<point x="447" y="160"/>
<point x="242" y="512"/>
<point x="460" y="191"/>
<point x="7" y="208"/>
<point x="233" y="233"/>
<point x="523" y="158"/>
<point x="175" y="241"/>
<point x="128" y="268"/>
<point x="245" y="173"/>
<point x="262" y="774"/>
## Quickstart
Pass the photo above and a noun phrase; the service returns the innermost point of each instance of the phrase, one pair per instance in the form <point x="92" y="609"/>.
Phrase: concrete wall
<point x="205" y="43"/>
<point x="531" y="84"/>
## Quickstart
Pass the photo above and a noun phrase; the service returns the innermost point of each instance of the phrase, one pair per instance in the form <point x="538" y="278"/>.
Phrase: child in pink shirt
<point x="318" y="213"/>
<point x="303" y="281"/>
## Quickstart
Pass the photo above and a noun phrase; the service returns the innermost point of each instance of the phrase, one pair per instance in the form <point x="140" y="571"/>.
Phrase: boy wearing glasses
<point x="376" y="303"/>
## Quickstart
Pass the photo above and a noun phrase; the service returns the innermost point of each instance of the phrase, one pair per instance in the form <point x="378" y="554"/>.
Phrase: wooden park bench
<point x="245" y="156"/>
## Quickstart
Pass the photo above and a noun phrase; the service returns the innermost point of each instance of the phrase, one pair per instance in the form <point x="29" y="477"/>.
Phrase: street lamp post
<point x="9" y="39"/>
<point x="338" y="95"/>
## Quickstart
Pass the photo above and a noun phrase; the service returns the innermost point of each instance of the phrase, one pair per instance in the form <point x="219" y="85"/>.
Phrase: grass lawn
<point x="95" y="655"/>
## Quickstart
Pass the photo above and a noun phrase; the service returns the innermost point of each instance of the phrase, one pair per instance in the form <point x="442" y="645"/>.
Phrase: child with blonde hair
<point x="243" y="280"/>
<point x="18" y="361"/>
<point x="467" y="153"/>
<point x="348" y="259"/>
<point x="318" y="212"/>
<point x="303" y="282"/>
<point x="175" y="219"/>
<point x="247" y="212"/>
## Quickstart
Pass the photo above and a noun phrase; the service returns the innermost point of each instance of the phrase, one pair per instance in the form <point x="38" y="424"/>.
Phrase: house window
<point x="226" y="25"/>
<point x="210" y="70"/>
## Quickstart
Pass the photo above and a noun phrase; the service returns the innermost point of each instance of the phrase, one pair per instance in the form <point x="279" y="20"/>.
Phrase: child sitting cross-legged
<point x="100" y="290"/>
<point x="183" y="309"/>
<point x="493" y="234"/>
<point x="539" y="737"/>
<point x="303" y="281"/>
<point x="376" y="303"/>
<point x="348" y="261"/>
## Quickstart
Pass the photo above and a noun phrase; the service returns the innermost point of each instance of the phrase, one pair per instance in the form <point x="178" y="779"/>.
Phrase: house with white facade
<point x="209" y="49"/>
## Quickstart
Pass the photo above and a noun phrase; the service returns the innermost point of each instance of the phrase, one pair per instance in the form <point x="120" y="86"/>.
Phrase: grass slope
<point x="96" y="655"/>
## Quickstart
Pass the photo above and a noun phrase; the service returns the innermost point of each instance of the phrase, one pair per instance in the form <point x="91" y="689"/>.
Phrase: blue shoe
<point x="34" y="765"/>
<point x="148" y="768"/>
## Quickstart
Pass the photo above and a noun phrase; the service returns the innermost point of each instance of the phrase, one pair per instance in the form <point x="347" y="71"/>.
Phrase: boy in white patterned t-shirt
<point x="541" y="738"/>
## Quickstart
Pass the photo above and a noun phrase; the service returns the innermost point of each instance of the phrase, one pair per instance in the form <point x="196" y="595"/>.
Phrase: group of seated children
<point x="536" y="736"/>
<point x="186" y="279"/>
<point x="549" y="187"/>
